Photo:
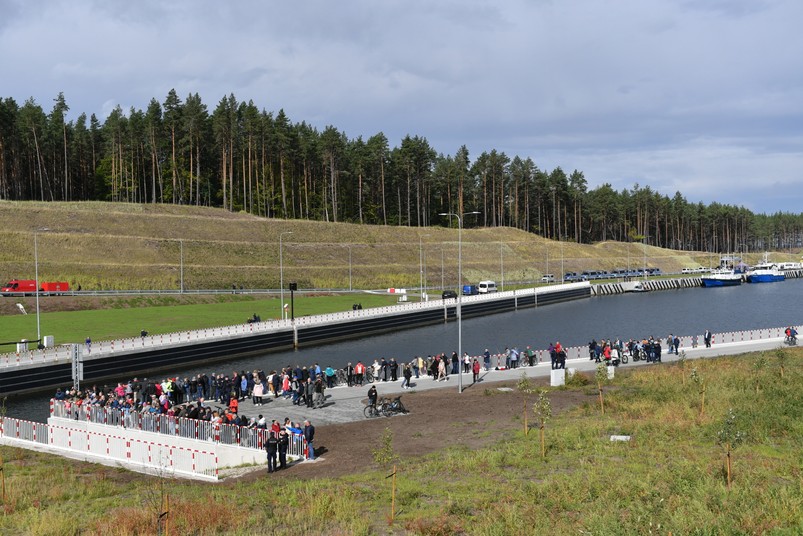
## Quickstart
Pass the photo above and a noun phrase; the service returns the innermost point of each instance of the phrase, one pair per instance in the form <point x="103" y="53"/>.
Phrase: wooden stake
<point x="729" y="466"/>
<point x="392" y="495"/>
<point x="526" y="426"/>
<point x="3" y="478"/>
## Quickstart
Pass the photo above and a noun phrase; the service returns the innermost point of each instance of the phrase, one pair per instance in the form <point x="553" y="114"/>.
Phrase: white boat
<point x="633" y="286"/>
<point x="765" y="272"/>
<point x="721" y="277"/>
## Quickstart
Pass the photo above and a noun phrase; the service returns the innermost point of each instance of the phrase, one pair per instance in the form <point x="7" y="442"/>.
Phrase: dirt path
<point x="438" y="418"/>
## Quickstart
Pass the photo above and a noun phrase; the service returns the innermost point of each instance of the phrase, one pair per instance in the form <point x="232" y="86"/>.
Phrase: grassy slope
<point x="120" y="246"/>
<point x="670" y="478"/>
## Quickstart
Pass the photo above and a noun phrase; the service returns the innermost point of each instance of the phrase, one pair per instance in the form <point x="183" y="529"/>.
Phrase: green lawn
<point x="669" y="479"/>
<point x="130" y="317"/>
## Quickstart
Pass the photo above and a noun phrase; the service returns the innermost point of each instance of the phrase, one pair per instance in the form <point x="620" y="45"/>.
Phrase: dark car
<point x="449" y="294"/>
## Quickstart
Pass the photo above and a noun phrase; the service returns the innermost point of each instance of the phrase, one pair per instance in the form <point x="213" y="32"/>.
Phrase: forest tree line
<point x="243" y="158"/>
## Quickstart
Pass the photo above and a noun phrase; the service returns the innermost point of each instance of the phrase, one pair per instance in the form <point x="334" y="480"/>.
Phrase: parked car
<point x="448" y="294"/>
<point x="486" y="286"/>
<point x="548" y="278"/>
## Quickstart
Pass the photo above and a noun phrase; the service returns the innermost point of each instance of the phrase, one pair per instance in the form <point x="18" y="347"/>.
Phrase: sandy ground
<point x="437" y="418"/>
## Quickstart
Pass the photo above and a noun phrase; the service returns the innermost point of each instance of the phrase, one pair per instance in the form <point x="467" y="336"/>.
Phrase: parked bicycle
<point x="385" y="407"/>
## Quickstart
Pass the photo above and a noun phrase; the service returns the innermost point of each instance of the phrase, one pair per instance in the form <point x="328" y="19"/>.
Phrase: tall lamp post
<point x="349" y="246"/>
<point x="502" y="264"/>
<point x="421" y="266"/>
<point x="181" y="262"/>
<point x="459" y="293"/>
<point x="644" y="242"/>
<point x="36" y="276"/>
<point x="281" y="272"/>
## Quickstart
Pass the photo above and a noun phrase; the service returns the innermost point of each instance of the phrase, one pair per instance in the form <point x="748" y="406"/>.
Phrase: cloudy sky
<point x="704" y="97"/>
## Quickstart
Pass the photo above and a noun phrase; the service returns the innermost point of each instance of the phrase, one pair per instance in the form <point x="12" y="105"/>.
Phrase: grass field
<point x="127" y="316"/>
<point x="669" y="479"/>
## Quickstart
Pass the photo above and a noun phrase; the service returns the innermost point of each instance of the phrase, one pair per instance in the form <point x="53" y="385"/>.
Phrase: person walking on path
<point x="408" y="374"/>
<point x="88" y="345"/>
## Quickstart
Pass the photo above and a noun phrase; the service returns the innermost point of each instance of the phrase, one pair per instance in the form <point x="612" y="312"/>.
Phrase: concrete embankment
<point x="607" y="289"/>
<point x="46" y="369"/>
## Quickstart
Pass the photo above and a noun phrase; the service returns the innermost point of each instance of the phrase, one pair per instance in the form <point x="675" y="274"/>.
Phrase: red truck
<point x="28" y="287"/>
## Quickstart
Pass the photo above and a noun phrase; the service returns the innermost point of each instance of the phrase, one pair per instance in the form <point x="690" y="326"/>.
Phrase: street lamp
<point x="281" y="271"/>
<point x="349" y="246"/>
<point x="36" y="276"/>
<point x="502" y="265"/>
<point x="443" y="287"/>
<point x="459" y="293"/>
<point x="553" y="188"/>
<point x="644" y="241"/>
<point x="181" y="262"/>
<point x="421" y="266"/>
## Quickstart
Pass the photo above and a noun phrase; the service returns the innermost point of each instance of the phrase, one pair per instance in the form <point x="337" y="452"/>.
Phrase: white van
<point x="486" y="286"/>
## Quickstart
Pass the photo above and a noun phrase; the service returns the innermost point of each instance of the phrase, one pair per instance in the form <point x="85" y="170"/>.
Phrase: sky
<point x="703" y="97"/>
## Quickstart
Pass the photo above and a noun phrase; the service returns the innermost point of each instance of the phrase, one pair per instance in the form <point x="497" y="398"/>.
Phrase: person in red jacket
<point x="475" y="367"/>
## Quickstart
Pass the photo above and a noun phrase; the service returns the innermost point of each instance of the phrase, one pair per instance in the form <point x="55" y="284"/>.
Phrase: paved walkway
<point x="346" y="404"/>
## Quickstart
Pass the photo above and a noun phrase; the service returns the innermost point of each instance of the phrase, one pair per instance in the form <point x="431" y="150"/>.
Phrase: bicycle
<point x="371" y="410"/>
<point x="391" y="408"/>
<point x="368" y="376"/>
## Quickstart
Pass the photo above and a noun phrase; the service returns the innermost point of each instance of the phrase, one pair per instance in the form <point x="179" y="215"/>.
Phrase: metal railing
<point x="225" y="434"/>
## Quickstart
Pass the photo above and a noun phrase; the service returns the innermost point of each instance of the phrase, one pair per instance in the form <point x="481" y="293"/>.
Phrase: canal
<point x="636" y="315"/>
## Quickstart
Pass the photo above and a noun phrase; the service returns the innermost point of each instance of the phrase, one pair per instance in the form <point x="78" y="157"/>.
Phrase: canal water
<point x="574" y="323"/>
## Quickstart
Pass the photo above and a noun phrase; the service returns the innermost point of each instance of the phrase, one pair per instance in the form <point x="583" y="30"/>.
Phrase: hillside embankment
<point x="118" y="246"/>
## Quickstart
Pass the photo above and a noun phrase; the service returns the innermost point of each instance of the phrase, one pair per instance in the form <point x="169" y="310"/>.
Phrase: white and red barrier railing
<point x="225" y="434"/>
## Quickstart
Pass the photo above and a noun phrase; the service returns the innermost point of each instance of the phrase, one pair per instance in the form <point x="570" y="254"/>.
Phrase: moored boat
<point x="722" y="277"/>
<point x="765" y="272"/>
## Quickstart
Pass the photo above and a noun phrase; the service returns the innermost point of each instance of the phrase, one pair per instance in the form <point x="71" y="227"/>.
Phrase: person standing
<point x="309" y="392"/>
<point x="475" y="367"/>
<point x="372" y="397"/>
<point x="359" y="370"/>
<point x="272" y="446"/>
<point x="530" y="356"/>
<point x="88" y="343"/>
<point x="284" y="442"/>
<point x="309" y="436"/>
<point x="349" y="375"/>
<point x="486" y="357"/>
<point x="442" y="369"/>
<point x="707" y="338"/>
<point x="394" y="370"/>
<point x="408" y="374"/>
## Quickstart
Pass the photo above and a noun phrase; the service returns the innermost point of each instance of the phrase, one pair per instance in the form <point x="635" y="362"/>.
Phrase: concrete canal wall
<point x="35" y="370"/>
